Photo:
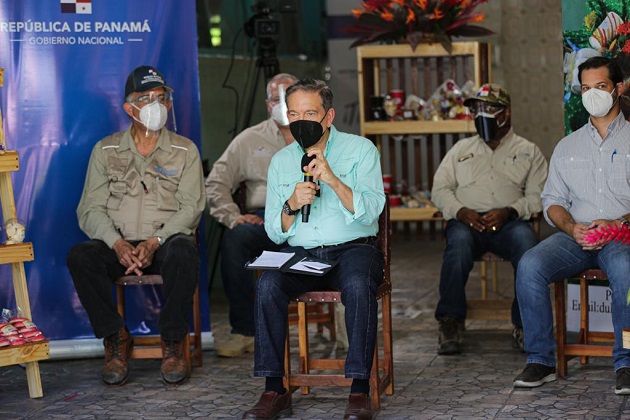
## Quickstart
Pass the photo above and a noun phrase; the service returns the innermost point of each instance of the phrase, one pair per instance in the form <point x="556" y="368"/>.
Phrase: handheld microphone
<point x="306" y="209"/>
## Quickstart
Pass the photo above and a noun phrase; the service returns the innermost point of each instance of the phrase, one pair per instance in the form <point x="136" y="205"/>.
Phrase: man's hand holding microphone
<point x="315" y="168"/>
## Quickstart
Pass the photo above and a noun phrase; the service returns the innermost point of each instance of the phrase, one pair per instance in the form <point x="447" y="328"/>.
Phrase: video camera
<point x="262" y="25"/>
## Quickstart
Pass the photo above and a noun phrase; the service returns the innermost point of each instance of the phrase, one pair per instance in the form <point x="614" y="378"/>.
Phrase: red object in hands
<point x="608" y="234"/>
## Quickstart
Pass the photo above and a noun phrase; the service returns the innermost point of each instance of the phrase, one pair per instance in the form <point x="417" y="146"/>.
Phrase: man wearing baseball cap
<point x="487" y="187"/>
<point x="142" y="201"/>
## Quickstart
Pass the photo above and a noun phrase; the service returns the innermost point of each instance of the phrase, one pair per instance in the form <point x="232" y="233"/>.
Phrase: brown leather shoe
<point x="175" y="368"/>
<point x="118" y="348"/>
<point x="359" y="407"/>
<point x="270" y="406"/>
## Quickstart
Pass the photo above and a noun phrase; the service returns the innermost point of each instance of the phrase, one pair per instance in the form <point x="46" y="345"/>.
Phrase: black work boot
<point x="449" y="340"/>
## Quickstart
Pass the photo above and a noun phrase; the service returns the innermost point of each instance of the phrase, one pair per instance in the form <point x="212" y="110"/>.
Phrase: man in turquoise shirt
<point x="345" y="198"/>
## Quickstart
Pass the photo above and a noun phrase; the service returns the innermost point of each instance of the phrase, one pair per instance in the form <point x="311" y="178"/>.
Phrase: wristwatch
<point x="624" y="221"/>
<point x="160" y="240"/>
<point x="287" y="209"/>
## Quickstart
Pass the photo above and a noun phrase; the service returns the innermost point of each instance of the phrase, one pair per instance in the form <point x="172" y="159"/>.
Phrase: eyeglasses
<point x="480" y="107"/>
<point x="147" y="99"/>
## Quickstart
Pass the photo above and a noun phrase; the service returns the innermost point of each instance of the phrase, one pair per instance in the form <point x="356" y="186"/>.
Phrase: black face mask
<point x="307" y="133"/>
<point x="487" y="126"/>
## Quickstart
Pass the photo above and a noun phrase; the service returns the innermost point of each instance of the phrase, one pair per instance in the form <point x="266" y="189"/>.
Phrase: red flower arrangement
<point x="393" y="20"/>
<point x="623" y="31"/>
<point x="608" y="234"/>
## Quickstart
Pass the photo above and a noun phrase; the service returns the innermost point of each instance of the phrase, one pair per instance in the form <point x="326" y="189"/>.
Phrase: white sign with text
<point x="600" y="308"/>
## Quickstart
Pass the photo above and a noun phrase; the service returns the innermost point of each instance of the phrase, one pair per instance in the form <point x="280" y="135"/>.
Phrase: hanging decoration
<point x="606" y="32"/>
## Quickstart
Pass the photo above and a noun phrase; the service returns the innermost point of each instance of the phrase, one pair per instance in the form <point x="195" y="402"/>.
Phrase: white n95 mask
<point x="152" y="116"/>
<point x="279" y="114"/>
<point x="597" y="102"/>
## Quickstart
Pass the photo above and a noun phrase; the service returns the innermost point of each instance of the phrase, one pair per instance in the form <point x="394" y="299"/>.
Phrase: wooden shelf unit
<point x="16" y="255"/>
<point x="382" y="68"/>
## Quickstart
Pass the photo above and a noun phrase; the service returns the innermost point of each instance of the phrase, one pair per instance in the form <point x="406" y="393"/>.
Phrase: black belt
<point x="358" y="241"/>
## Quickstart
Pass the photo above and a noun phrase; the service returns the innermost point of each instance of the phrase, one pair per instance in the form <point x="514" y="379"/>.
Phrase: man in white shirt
<point x="246" y="161"/>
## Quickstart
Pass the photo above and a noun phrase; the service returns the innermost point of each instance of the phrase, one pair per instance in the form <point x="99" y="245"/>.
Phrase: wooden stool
<point x="582" y="348"/>
<point x="150" y="347"/>
<point x="493" y="259"/>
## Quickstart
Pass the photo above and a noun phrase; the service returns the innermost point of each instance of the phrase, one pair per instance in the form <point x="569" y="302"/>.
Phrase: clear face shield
<point x="279" y="107"/>
<point x="485" y="116"/>
<point x="484" y="109"/>
<point x="154" y="110"/>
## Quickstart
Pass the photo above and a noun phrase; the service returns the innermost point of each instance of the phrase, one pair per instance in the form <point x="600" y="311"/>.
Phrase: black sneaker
<point x="518" y="339"/>
<point x="535" y="375"/>
<point x="623" y="381"/>
<point x="449" y="341"/>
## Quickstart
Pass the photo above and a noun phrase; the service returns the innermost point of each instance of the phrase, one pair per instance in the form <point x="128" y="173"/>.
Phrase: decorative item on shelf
<point x="397" y="96"/>
<point x="395" y="200"/>
<point x="15" y="230"/>
<point x="416" y="21"/>
<point x="408" y="114"/>
<point x="387" y="183"/>
<point x="415" y="104"/>
<point x="377" y="112"/>
<point x="447" y="102"/>
<point x="15" y="330"/>
<point x="391" y="107"/>
<point x="417" y="199"/>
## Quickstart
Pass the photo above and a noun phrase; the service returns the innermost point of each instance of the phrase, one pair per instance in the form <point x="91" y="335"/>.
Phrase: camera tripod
<point x="267" y="62"/>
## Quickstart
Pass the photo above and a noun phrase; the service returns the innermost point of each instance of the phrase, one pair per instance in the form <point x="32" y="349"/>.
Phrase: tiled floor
<point x="474" y="385"/>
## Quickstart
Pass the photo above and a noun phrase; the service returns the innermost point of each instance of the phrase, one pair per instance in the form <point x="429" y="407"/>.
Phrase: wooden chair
<point x="382" y="374"/>
<point x="583" y="348"/>
<point x="149" y="347"/>
<point x="493" y="259"/>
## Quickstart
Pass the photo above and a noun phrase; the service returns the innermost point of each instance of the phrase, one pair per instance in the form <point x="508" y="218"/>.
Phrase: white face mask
<point x="597" y="102"/>
<point x="279" y="114"/>
<point x="152" y="116"/>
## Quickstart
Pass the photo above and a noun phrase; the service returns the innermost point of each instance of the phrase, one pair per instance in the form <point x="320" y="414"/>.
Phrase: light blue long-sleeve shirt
<point x="590" y="176"/>
<point x="356" y="162"/>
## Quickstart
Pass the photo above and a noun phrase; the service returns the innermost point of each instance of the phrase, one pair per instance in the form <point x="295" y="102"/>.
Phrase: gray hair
<point x="313" y="85"/>
<point x="280" y="77"/>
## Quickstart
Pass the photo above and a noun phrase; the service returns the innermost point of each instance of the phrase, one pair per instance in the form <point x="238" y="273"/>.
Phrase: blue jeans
<point x="238" y="246"/>
<point x="357" y="275"/>
<point x="463" y="246"/>
<point x="554" y="259"/>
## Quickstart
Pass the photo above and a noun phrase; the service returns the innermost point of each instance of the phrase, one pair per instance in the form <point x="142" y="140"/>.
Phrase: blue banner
<point x="66" y="63"/>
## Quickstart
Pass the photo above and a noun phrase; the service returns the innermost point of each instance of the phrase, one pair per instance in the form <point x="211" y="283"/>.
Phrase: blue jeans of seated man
<point x="463" y="246"/>
<point x="554" y="259"/>
<point x="357" y="275"/>
<point x="238" y="246"/>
